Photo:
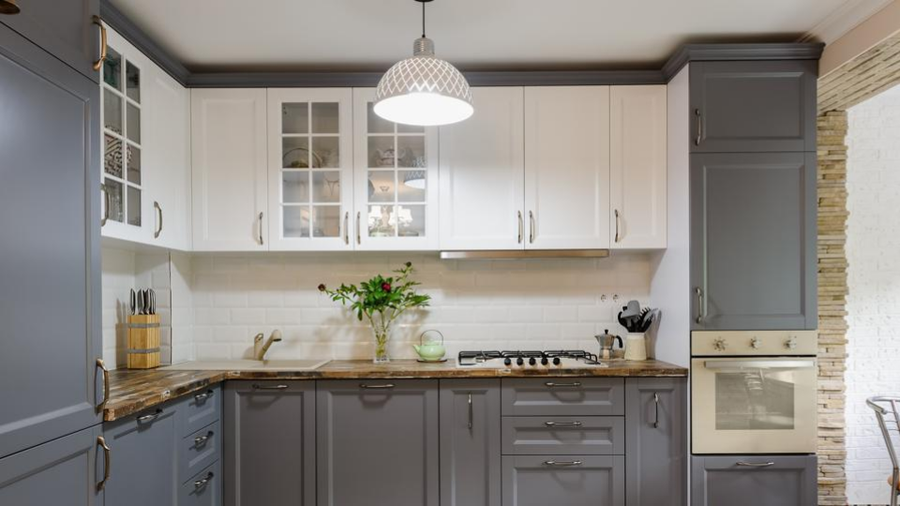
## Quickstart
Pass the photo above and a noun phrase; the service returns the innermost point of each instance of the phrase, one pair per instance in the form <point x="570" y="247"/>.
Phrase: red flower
<point x="322" y="287"/>
<point x="386" y="287"/>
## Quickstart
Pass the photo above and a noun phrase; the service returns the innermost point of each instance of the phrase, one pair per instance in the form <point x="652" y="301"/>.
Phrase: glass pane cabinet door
<point x="309" y="183"/>
<point x="122" y="172"/>
<point x="395" y="169"/>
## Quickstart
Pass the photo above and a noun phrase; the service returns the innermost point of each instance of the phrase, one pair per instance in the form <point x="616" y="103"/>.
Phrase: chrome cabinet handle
<point x="573" y="384"/>
<point x="656" y="406"/>
<point x="103" y="45"/>
<point x="281" y="386"/>
<point x="159" y="213"/>
<point x="530" y="227"/>
<point x="347" y="228"/>
<point x="617" y="225"/>
<point x="202" y="483"/>
<point x="699" y="127"/>
<point x="105" y="217"/>
<point x="563" y="424"/>
<point x="699" y="292"/>
<point x="103" y="368"/>
<point x="107" y="453"/>
<point x="358" y="230"/>
<point x="554" y="463"/>
<point x="260" y="218"/>
<point x="752" y="464"/>
<point x="521" y="227"/>
<point x="204" y="396"/>
<point x="471" y="412"/>
<point x="202" y="440"/>
<point x="149" y="418"/>
<point x="385" y="386"/>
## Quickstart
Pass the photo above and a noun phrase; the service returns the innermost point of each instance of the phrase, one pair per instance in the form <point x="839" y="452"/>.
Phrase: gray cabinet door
<point x="143" y="459"/>
<point x="49" y="224"/>
<point x="470" y="442"/>
<point x="564" y="480"/>
<point x="656" y="441"/>
<point x="63" y="28"/>
<point x="270" y="443"/>
<point x="753" y="106"/>
<point x="753" y="241"/>
<point x="377" y="443"/>
<point x="61" y="472"/>
<point x="754" y="480"/>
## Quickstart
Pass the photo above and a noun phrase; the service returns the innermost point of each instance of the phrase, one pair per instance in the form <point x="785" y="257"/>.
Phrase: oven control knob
<point x="507" y="361"/>
<point x="791" y="343"/>
<point x="756" y="343"/>
<point x="556" y="361"/>
<point x="544" y="361"/>
<point x="520" y="361"/>
<point x="532" y="361"/>
<point x="719" y="344"/>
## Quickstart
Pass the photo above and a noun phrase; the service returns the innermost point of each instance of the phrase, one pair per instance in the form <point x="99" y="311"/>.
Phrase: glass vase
<point x="382" y="334"/>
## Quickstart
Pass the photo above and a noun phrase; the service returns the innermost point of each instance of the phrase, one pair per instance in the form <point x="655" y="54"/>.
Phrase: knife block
<point x="143" y="341"/>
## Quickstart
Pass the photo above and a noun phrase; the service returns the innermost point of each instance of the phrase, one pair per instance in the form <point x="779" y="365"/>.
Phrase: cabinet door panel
<point x="638" y="167"/>
<point x="229" y="181"/>
<point x="563" y="479"/>
<point x="482" y="175"/>
<point x="49" y="218"/>
<point x="470" y="442"/>
<point x="377" y="442"/>
<point x="777" y="481"/>
<point x="270" y="454"/>
<point x="567" y="167"/>
<point x="753" y="106"/>
<point x="753" y="236"/>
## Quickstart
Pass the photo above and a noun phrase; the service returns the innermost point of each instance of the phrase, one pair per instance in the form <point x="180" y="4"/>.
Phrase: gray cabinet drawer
<point x="563" y="480"/>
<point x="199" y="450"/>
<point x="773" y="480"/>
<point x="204" y="489"/>
<point x="563" y="397"/>
<point x="199" y="409"/>
<point x="587" y="435"/>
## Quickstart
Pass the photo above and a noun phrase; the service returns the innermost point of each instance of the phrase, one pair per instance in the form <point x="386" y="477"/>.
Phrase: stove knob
<point x="791" y="343"/>
<point x="756" y="343"/>
<point x="544" y="361"/>
<point x="556" y="361"/>
<point x="719" y="344"/>
<point x="532" y="361"/>
<point x="507" y="361"/>
<point x="520" y="361"/>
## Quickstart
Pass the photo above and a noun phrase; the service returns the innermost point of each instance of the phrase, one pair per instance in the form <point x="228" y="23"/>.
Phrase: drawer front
<point x="773" y="480"/>
<point x="199" y="450"/>
<point x="204" y="489"/>
<point x="200" y="409"/>
<point x="564" y="480"/>
<point x="563" y="397"/>
<point x="588" y="435"/>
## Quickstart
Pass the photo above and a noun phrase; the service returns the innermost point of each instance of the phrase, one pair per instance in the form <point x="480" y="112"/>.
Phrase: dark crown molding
<point x="685" y="54"/>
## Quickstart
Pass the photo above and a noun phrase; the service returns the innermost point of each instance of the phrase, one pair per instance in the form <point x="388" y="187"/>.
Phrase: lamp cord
<point x="423" y="20"/>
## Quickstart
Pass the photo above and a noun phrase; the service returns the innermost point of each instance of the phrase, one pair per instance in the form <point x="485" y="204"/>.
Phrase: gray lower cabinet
<point x="470" y="442"/>
<point x="377" y="443"/>
<point x="753" y="106"/>
<point x="753" y="241"/>
<point x="49" y="221"/>
<point x="656" y="441"/>
<point x="753" y="480"/>
<point x="270" y="443"/>
<point x="62" y="472"/>
<point x="564" y="480"/>
<point x="144" y="459"/>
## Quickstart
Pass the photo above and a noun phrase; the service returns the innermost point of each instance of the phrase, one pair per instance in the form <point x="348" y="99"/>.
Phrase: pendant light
<point x="423" y="90"/>
<point x="8" y="7"/>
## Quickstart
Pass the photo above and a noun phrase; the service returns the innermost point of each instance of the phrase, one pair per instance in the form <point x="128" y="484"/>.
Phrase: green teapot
<point x="430" y="350"/>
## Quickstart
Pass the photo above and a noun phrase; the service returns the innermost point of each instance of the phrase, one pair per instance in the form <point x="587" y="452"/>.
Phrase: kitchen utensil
<point x="606" y="341"/>
<point x="152" y="304"/>
<point x="430" y="350"/>
<point x="132" y="302"/>
<point x="140" y="302"/>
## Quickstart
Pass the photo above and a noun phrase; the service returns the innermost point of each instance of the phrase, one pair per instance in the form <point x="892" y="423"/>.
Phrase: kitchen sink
<point x="249" y="365"/>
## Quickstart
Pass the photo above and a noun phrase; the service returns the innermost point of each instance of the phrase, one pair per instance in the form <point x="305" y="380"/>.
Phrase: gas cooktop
<point x="528" y="359"/>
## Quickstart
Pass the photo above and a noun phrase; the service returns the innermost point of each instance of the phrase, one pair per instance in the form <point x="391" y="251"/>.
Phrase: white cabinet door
<point x="228" y="154"/>
<point x="310" y="169"/>
<point x="567" y="167"/>
<point x="482" y="175"/>
<point x="638" y="167"/>
<point x="395" y="173"/>
<point x="167" y="159"/>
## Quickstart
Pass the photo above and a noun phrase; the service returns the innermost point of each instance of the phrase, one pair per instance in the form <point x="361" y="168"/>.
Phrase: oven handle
<point x="760" y="364"/>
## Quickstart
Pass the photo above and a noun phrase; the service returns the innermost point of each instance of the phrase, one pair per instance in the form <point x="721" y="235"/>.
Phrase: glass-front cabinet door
<point x="395" y="181"/>
<point x="123" y="177"/>
<point x="310" y="169"/>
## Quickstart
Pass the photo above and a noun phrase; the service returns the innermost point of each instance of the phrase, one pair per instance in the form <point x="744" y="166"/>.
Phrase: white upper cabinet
<point x="638" y="167"/>
<point x="395" y="173"/>
<point x="310" y="169"/>
<point x="228" y="140"/>
<point x="482" y="175"/>
<point x="567" y="167"/>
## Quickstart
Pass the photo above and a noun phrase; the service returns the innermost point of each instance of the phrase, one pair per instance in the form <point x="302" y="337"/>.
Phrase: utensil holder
<point x="143" y="341"/>
<point x="636" y="346"/>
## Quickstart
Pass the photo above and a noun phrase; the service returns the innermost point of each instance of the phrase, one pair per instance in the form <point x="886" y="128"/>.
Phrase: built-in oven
<point x="753" y="392"/>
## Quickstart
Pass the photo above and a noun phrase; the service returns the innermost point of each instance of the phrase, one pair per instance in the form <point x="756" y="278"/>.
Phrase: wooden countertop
<point x="132" y="391"/>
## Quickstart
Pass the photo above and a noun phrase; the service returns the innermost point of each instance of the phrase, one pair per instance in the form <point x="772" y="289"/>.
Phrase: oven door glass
<point x="755" y="405"/>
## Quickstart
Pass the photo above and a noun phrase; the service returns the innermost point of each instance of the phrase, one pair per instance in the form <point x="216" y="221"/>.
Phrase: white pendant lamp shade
<point x="423" y="90"/>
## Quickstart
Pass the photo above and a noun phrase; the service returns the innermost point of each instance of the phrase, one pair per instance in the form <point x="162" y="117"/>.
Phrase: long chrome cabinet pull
<point x="563" y="424"/>
<point x="160" y="214"/>
<point x="105" y="217"/>
<point x="260" y="218"/>
<point x="656" y="406"/>
<point x="699" y="292"/>
<point x="99" y="63"/>
<point x="270" y="387"/>
<point x="202" y="483"/>
<point x="554" y="463"/>
<point x="358" y="229"/>
<point x="149" y="418"/>
<point x="101" y="442"/>
<point x="347" y="228"/>
<point x="385" y="386"/>
<point x="471" y="412"/>
<point x="521" y="227"/>
<point x="699" y="116"/>
<point x="617" y="225"/>
<point x="105" y="371"/>
<point x="531" y="227"/>
<point x="573" y="384"/>
<point x="760" y="464"/>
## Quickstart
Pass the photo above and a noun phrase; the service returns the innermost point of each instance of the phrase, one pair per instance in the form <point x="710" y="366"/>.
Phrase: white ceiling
<point x="473" y="34"/>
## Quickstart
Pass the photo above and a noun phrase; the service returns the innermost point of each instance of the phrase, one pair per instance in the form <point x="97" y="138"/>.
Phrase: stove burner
<point x="575" y="358"/>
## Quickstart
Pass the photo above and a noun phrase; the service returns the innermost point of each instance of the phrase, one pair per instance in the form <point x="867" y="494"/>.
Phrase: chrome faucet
<point x="260" y="348"/>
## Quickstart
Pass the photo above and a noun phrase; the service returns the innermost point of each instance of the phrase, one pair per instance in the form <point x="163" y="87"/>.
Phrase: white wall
<point x="873" y="306"/>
